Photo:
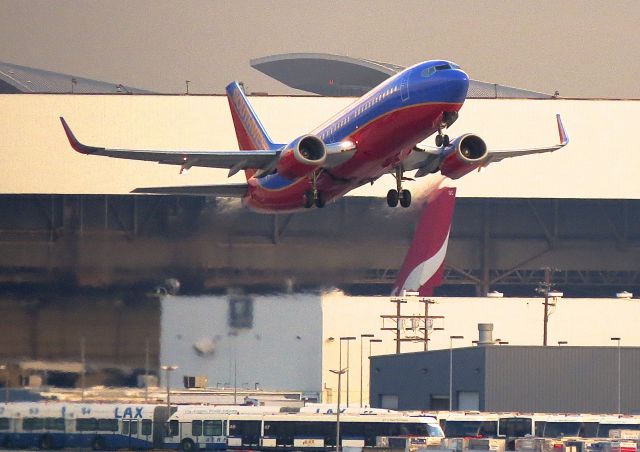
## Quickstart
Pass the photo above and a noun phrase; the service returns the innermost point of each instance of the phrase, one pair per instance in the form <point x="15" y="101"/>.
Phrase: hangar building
<point x="509" y="378"/>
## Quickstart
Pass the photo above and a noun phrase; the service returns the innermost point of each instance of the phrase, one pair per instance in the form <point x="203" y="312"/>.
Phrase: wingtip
<point x="73" y="141"/>
<point x="564" y="138"/>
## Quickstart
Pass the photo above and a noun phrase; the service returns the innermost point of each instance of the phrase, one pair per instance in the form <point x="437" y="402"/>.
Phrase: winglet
<point x="564" y="138"/>
<point x="75" y="144"/>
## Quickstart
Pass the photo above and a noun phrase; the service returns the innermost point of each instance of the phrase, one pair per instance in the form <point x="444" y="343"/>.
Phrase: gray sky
<point x="580" y="48"/>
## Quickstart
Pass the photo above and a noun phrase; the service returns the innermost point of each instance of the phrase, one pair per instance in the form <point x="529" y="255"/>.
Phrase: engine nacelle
<point x="302" y="156"/>
<point x="463" y="155"/>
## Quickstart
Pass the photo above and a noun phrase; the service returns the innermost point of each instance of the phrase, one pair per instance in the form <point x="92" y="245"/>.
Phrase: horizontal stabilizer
<point x="222" y="191"/>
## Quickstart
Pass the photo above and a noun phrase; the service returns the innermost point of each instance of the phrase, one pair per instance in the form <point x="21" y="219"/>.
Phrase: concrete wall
<point x="36" y="157"/>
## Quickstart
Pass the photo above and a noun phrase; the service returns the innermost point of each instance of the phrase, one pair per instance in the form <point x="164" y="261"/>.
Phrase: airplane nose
<point x="457" y="84"/>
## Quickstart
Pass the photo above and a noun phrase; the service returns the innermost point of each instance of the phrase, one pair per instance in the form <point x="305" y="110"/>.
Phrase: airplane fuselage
<point x="385" y="125"/>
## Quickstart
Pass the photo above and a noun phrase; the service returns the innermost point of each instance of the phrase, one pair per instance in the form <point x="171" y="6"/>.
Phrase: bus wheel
<point x="97" y="443"/>
<point x="46" y="442"/>
<point x="187" y="445"/>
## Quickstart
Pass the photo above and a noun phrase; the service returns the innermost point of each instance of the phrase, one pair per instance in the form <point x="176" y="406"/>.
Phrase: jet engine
<point x="302" y="156"/>
<point x="463" y="155"/>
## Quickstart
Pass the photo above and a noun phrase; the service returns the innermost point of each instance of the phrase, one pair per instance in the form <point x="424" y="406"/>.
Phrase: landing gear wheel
<point x="307" y="200"/>
<point x="445" y="140"/>
<point x="439" y="140"/>
<point x="320" y="201"/>
<point x="405" y="198"/>
<point x="392" y="198"/>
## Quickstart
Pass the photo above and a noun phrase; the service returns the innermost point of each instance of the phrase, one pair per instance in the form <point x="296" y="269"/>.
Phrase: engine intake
<point x="302" y="156"/>
<point x="465" y="154"/>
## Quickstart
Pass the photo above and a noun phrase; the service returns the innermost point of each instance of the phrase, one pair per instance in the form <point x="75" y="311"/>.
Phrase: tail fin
<point x="250" y="132"/>
<point x="423" y="265"/>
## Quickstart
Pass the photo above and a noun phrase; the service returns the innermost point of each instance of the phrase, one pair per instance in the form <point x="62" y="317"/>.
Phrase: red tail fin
<point x="423" y="265"/>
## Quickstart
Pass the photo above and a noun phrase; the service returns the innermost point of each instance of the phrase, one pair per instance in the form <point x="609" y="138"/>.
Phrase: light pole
<point x="339" y="374"/>
<point x="168" y="369"/>
<point x="618" y="339"/>
<point x="451" y="338"/>
<point x="362" y="336"/>
<point x="346" y="338"/>
<point x="5" y="367"/>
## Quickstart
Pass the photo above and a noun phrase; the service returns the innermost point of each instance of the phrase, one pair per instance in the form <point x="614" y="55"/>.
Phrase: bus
<point x="292" y="431"/>
<point x="56" y="425"/>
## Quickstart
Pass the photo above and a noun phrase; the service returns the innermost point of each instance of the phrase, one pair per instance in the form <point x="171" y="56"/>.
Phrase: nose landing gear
<point x="399" y="194"/>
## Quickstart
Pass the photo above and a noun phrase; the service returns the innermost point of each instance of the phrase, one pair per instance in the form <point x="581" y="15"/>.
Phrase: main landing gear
<point x="398" y="194"/>
<point x="313" y="197"/>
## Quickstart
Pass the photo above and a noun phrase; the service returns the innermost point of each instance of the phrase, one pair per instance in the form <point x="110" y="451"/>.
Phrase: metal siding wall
<point x="561" y="379"/>
<point x="414" y="377"/>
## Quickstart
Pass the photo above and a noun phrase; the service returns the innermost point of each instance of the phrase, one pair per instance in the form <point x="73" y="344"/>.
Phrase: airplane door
<point x="404" y="88"/>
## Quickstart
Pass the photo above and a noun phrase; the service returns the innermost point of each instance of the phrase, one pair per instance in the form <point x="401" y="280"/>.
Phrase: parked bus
<point x="56" y="425"/>
<point x="283" y="431"/>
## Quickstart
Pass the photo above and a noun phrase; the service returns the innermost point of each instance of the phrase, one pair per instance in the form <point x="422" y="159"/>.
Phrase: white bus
<point x="195" y="429"/>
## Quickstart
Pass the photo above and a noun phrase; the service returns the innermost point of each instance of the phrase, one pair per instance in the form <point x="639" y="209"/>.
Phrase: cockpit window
<point x="442" y="67"/>
<point x="428" y="72"/>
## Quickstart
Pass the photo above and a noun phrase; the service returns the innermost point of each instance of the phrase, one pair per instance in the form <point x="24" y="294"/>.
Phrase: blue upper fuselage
<point x="436" y="81"/>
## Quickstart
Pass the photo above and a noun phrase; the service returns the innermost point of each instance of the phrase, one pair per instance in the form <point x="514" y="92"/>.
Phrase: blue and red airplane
<point x="375" y="135"/>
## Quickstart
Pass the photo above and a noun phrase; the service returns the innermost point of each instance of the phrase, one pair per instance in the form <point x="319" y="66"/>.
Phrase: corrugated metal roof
<point x="22" y="79"/>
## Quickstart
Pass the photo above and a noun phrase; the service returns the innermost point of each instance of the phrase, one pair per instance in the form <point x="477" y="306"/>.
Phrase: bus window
<point x="196" y="428"/>
<point x="146" y="427"/>
<point x="173" y="428"/>
<point x="4" y="423"/>
<point x="604" y="429"/>
<point x="212" y="428"/>
<point x="54" y="423"/>
<point x="515" y="427"/>
<point x="107" y="425"/>
<point x="125" y="427"/>
<point x="134" y="427"/>
<point x="33" y="423"/>
<point x="249" y="431"/>
<point x="129" y="427"/>
<point x="86" y="425"/>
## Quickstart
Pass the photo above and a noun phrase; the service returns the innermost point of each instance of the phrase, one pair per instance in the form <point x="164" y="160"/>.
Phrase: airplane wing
<point x="224" y="191"/>
<point x="426" y="160"/>
<point x="232" y="160"/>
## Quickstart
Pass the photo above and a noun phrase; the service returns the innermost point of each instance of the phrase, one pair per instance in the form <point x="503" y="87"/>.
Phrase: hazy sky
<point x="580" y="48"/>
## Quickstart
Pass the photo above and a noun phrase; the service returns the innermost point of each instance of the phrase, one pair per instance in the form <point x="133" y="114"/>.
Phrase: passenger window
<point x="86" y="425"/>
<point x="125" y="427"/>
<point x="54" y="423"/>
<point x="108" y="425"/>
<point x="4" y="423"/>
<point x="212" y="428"/>
<point x="33" y="423"/>
<point x="146" y="427"/>
<point x="196" y="428"/>
<point x="134" y="427"/>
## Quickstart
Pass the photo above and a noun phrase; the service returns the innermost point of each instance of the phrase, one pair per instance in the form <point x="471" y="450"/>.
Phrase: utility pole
<point x="422" y="320"/>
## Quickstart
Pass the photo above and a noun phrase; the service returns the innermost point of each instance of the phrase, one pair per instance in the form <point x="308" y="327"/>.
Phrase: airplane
<point x="423" y="265"/>
<point x="377" y="134"/>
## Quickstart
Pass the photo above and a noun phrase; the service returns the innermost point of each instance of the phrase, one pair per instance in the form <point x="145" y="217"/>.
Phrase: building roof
<point x="21" y="79"/>
<point x="338" y="75"/>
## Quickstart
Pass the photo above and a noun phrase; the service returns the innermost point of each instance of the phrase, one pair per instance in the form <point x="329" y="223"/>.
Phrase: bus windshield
<point x="476" y="429"/>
